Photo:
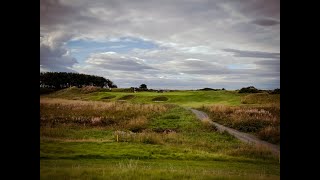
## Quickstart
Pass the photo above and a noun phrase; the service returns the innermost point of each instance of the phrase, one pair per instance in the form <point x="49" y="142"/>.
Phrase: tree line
<point x="252" y="89"/>
<point x="59" y="80"/>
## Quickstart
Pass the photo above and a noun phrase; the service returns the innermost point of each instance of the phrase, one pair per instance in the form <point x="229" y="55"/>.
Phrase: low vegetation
<point x="249" y="89"/>
<point x="114" y="114"/>
<point x="210" y="89"/>
<point x="121" y="140"/>
<point x="127" y="97"/>
<point x="184" y="98"/>
<point x="109" y="97"/>
<point x="160" y="98"/>
<point x="260" y="116"/>
<point x="60" y="80"/>
<point x="261" y="98"/>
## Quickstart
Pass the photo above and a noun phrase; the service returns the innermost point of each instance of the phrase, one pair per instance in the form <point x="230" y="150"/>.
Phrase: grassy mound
<point x="160" y="98"/>
<point x="127" y="97"/>
<point x="109" y="97"/>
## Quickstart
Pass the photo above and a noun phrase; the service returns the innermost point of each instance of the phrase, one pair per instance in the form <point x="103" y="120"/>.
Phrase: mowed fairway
<point x="95" y="136"/>
<point x="183" y="98"/>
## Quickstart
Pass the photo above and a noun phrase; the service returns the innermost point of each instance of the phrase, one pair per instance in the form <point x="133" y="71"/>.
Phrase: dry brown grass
<point x="261" y="98"/>
<point x="208" y="125"/>
<point x="95" y="113"/>
<point x="136" y="124"/>
<point x="114" y="106"/>
<point x="254" y="119"/>
<point x="270" y="133"/>
<point x="90" y="89"/>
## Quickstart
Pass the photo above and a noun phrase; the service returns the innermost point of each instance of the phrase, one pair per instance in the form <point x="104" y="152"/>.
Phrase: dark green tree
<point x="60" y="80"/>
<point x="143" y="86"/>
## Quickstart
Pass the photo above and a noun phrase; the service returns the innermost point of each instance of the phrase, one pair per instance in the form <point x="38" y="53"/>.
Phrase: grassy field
<point x="183" y="98"/>
<point x="93" y="135"/>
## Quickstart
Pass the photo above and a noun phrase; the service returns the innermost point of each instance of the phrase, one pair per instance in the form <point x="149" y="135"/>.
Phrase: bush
<point x="249" y="89"/>
<point x="46" y="90"/>
<point x="275" y="91"/>
<point x="209" y="89"/>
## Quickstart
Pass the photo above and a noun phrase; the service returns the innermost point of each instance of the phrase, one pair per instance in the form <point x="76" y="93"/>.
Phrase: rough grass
<point x="262" y="120"/>
<point x="115" y="115"/>
<point x="108" y="97"/>
<point x="144" y="141"/>
<point x="160" y="98"/>
<point x="261" y="98"/>
<point x="183" y="98"/>
<point x="150" y="169"/>
<point x="127" y="97"/>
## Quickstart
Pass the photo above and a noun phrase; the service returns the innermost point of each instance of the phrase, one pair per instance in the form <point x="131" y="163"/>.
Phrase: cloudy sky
<point x="176" y="44"/>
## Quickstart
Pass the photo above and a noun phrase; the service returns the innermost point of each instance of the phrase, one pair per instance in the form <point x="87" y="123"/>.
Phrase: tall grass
<point x="84" y="131"/>
<point x="261" y="98"/>
<point x="92" y="113"/>
<point x="262" y="120"/>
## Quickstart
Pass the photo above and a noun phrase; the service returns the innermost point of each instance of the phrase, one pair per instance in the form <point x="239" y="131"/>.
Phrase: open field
<point x="183" y="98"/>
<point x="96" y="138"/>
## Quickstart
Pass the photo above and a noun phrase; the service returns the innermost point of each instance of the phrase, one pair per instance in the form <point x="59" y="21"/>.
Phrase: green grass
<point x="168" y="141"/>
<point x="127" y="97"/>
<point x="151" y="169"/>
<point x="108" y="97"/>
<point x="160" y="98"/>
<point x="183" y="98"/>
<point x="177" y="119"/>
<point x="75" y="159"/>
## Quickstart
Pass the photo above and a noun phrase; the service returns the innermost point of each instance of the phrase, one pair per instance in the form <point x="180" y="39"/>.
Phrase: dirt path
<point x="248" y="138"/>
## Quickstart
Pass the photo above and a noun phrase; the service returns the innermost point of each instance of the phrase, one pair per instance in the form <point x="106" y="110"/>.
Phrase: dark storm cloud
<point x="258" y="8"/>
<point x="56" y="59"/>
<point x="265" y="22"/>
<point x="196" y="29"/>
<point x="53" y="55"/>
<point x="57" y="13"/>
<point x="269" y="66"/>
<point x="254" y="54"/>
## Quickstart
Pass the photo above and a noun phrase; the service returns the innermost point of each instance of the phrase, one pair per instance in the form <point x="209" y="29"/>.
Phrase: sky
<point x="168" y="44"/>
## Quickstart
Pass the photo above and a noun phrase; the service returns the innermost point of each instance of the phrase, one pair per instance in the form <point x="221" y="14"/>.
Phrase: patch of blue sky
<point x="81" y="49"/>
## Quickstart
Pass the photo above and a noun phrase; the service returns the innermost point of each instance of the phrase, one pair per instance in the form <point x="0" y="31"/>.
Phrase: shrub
<point x="275" y="91"/>
<point x="249" y="89"/>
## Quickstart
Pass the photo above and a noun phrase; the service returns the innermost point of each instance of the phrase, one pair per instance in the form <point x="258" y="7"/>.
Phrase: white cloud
<point x="192" y="38"/>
